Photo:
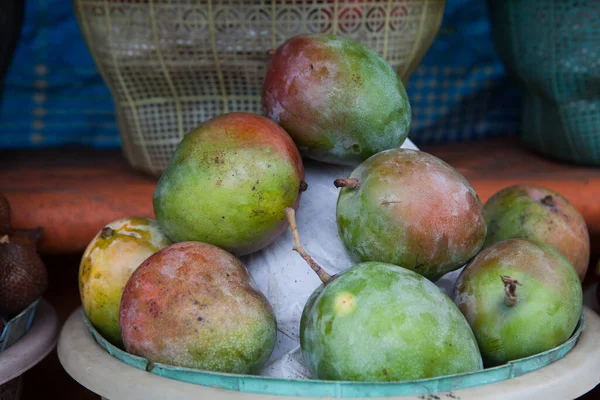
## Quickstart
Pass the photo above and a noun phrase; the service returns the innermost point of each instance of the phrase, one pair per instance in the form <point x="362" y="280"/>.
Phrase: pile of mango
<point x="172" y="289"/>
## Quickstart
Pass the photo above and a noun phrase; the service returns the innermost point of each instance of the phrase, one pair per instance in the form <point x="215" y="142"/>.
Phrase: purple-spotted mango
<point x="521" y="297"/>
<point x="229" y="183"/>
<point x="339" y="100"/>
<point x="194" y="305"/>
<point x="411" y="209"/>
<point x="108" y="262"/>
<point x="539" y="213"/>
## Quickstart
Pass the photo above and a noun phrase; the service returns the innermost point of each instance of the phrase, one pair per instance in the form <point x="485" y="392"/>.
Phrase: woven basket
<point x="553" y="48"/>
<point x="171" y="64"/>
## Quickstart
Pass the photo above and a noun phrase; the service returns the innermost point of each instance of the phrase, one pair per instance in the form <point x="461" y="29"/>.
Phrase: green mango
<point x="380" y="322"/>
<point x="542" y="214"/>
<point x="229" y="183"/>
<point x="512" y="320"/>
<point x="409" y="208"/>
<point x="339" y="100"/>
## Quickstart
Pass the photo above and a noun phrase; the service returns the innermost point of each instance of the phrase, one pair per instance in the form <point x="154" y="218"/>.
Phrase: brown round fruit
<point x="23" y="277"/>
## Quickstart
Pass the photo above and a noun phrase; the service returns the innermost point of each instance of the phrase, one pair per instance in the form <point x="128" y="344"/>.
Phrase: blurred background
<point x="54" y="95"/>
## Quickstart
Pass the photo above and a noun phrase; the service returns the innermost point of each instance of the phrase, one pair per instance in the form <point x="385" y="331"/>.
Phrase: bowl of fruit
<point x="407" y="286"/>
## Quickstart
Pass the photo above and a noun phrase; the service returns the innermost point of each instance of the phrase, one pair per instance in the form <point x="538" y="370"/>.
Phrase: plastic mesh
<point x="172" y="64"/>
<point x="554" y="49"/>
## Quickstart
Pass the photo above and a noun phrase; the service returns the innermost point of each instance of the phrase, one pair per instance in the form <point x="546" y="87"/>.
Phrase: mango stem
<point x="350" y="183"/>
<point x="107" y="232"/>
<point x="510" y="290"/>
<point x="291" y="217"/>
<point x="548" y="201"/>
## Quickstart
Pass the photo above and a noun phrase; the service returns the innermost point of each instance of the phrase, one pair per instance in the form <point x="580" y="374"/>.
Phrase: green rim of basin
<point x="341" y="389"/>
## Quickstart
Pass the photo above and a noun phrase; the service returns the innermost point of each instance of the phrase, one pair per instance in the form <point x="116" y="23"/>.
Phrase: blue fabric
<point x="461" y="90"/>
<point x="54" y="95"/>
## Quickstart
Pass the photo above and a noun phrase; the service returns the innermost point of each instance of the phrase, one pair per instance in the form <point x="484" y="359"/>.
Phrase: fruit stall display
<point x="425" y="289"/>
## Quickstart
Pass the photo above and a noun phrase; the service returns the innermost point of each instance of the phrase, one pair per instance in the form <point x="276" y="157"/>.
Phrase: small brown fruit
<point x="23" y="276"/>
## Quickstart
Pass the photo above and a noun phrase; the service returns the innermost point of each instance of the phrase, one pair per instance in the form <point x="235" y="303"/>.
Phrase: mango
<point x="409" y="208"/>
<point x="339" y="100"/>
<point x="229" y="182"/>
<point x="381" y="322"/>
<point x="106" y="265"/>
<point x="521" y="297"/>
<point x="542" y="214"/>
<point x="195" y="305"/>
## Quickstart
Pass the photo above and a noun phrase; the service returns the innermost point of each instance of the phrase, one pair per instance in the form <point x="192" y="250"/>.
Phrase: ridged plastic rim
<point x="341" y="389"/>
<point x="18" y="326"/>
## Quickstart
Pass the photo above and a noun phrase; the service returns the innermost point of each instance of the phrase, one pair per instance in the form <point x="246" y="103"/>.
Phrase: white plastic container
<point x="90" y="365"/>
